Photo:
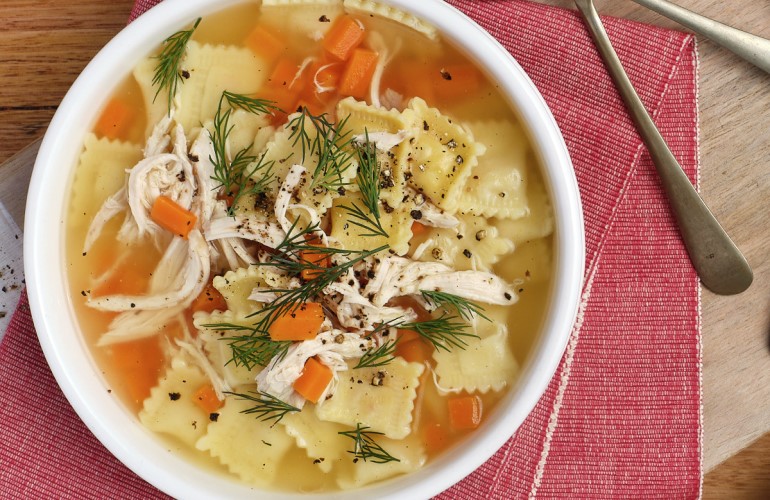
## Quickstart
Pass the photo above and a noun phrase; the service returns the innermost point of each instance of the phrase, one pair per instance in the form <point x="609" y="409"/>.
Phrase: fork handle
<point x="752" y="48"/>
<point x="720" y="265"/>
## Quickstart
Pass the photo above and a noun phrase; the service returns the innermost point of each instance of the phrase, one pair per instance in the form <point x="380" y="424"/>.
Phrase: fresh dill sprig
<point x="167" y="72"/>
<point x="251" y="349"/>
<point x="365" y="447"/>
<point x="288" y="256"/>
<point x="256" y="349"/>
<point x="464" y="307"/>
<point x="266" y="406"/>
<point x="253" y="105"/>
<point x="379" y="356"/>
<point x="443" y="332"/>
<point x="327" y="141"/>
<point x="289" y="300"/>
<point x="245" y="174"/>
<point x="368" y="181"/>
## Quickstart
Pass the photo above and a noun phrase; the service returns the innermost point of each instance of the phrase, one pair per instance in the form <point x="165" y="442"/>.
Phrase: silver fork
<point x="720" y="265"/>
<point x="752" y="48"/>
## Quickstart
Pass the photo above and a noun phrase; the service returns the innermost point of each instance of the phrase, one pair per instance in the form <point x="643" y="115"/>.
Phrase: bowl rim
<point x="73" y="366"/>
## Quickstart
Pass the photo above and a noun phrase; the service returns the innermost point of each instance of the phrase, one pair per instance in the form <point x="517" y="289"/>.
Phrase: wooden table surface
<point x="45" y="43"/>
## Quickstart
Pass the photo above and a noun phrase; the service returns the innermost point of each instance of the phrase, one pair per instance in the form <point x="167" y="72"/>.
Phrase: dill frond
<point x="167" y="71"/>
<point x="245" y="174"/>
<point x="328" y="142"/>
<point x="255" y="348"/>
<point x="365" y="447"/>
<point x="443" y="332"/>
<point x="464" y="307"/>
<point x="253" y="105"/>
<point x="379" y="356"/>
<point x="266" y="406"/>
<point x="368" y="181"/>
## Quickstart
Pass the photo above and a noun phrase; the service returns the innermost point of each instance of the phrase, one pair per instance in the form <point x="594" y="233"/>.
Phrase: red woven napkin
<point x="622" y="416"/>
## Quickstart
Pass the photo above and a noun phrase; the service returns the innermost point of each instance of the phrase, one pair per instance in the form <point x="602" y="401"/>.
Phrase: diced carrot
<point x="319" y="259"/>
<point x="115" y="121"/>
<point x="313" y="381"/>
<point x="206" y="399"/>
<point x="407" y="336"/>
<point x="358" y="73"/>
<point x="435" y="436"/>
<point x="456" y="81"/>
<point x="209" y="300"/>
<point x="285" y="75"/>
<point x="265" y="43"/>
<point x="173" y="217"/>
<point x="324" y="74"/>
<point x="345" y="35"/>
<point x="415" y="80"/>
<point x="301" y="323"/>
<point x="284" y="99"/>
<point x="414" y="351"/>
<point x="320" y="84"/>
<point x="228" y="196"/>
<point x="464" y="412"/>
<point x="418" y="229"/>
<point x="140" y="362"/>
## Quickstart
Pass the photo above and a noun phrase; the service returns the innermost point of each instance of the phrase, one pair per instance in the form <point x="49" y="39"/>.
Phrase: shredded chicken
<point x="193" y="347"/>
<point x="183" y="269"/>
<point x="201" y="152"/>
<point x="356" y="311"/>
<point x="332" y="347"/>
<point x="167" y="174"/>
<point x="430" y="214"/>
<point x="383" y="141"/>
<point x="285" y="194"/>
<point x="392" y="100"/>
<point x="396" y="276"/>
<point x="249" y="227"/>
<point x="386" y="52"/>
<point x="111" y="207"/>
<point x="135" y="325"/>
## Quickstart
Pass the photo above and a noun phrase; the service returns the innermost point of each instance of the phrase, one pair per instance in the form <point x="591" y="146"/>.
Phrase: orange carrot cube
<point x="465" y="412"/>
<point x="345" y="35"/>
<point x="206" y="399"/>
<point x="209" y="300"/>
<point x="173" y="217"/>
<point x="265" y="43"/>
<point x="301" y="323"/>
<point x="314" y="380"/>
<point x="358" y="73"/>
<point x="115" y="120"/>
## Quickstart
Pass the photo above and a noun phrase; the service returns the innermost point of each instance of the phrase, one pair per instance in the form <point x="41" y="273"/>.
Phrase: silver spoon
<point x="720" y="265"/>
<point x="752" y="48"/>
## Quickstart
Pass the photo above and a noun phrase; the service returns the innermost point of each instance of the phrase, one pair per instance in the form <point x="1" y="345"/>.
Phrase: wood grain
<point x="43" y="47"/>
<point x="44" y="44"/>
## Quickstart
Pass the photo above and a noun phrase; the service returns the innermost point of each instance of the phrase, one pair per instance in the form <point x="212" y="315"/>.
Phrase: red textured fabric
<point x="621" y="417"/>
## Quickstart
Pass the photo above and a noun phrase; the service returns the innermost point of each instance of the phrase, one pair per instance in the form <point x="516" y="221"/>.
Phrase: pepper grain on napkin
<point x="621" y="417"/>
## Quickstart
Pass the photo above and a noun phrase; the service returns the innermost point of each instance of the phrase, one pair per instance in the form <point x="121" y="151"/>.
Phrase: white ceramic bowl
<point x="69" y="357"/>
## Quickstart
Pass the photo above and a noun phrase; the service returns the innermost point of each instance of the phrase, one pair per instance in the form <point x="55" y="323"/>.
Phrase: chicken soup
<point x="309" y="243"/>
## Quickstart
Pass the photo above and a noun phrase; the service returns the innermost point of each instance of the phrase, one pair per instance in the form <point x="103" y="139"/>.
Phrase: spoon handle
<point x="720" y="265"/>
<point x="752" y="48"/>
